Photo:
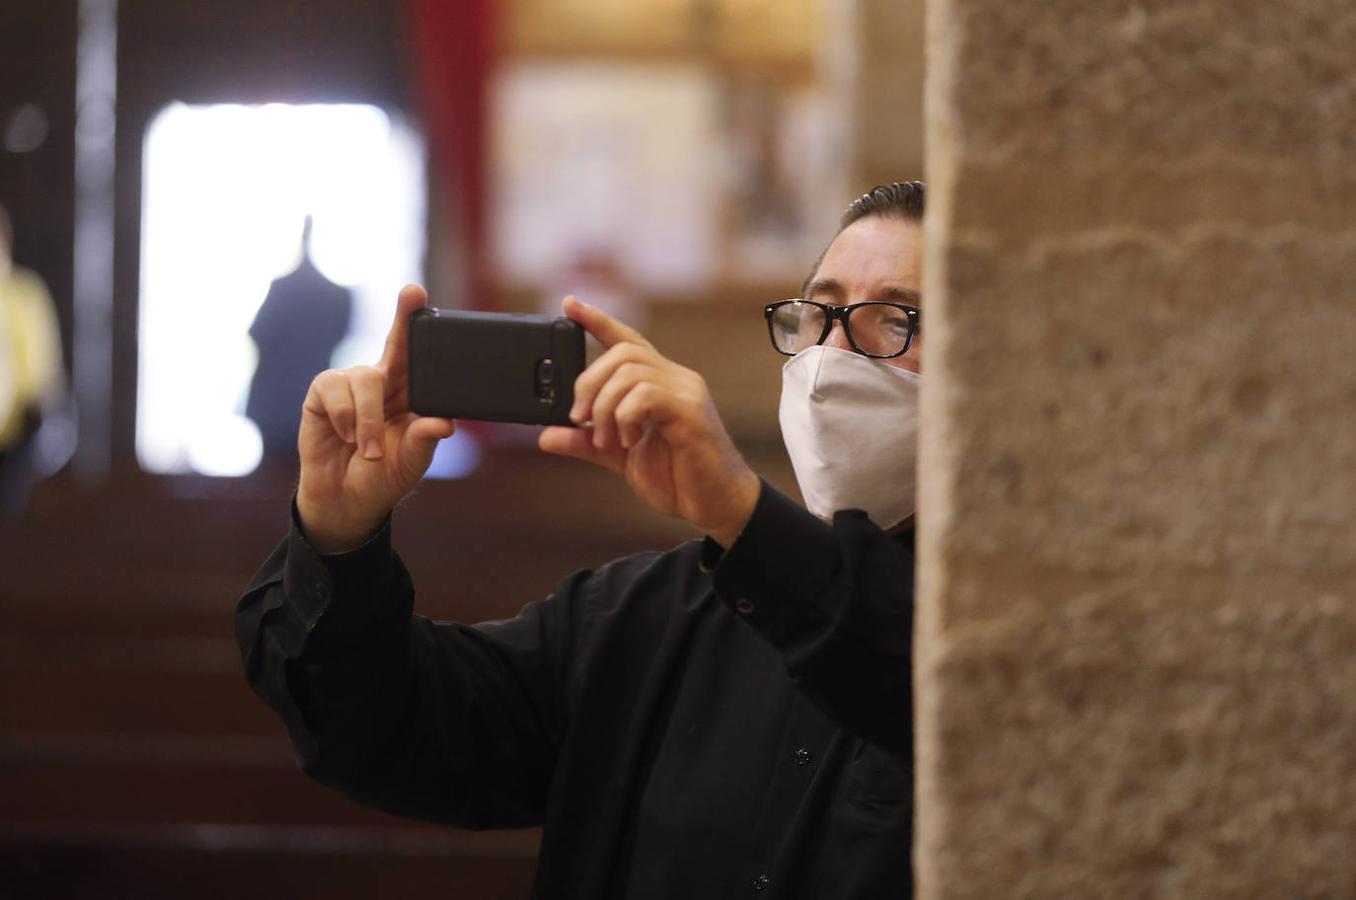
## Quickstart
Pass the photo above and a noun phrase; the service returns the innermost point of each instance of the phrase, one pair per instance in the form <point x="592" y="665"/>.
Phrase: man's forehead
<point x="881" y="256"/>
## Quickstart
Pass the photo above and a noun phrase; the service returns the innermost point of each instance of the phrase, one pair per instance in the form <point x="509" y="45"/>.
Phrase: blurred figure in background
<point x="301" y="321"/>
<point x="32" y="380"/>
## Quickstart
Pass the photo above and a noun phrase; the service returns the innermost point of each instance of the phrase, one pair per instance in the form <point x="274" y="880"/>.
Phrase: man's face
<point x="874" y="258"/>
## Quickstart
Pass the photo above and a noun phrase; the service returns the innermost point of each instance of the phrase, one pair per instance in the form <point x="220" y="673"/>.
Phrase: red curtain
<point x="453" y="44"/>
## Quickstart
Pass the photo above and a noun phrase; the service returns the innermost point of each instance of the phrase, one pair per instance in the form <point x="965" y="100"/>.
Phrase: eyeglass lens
<point x="877" y="328"/>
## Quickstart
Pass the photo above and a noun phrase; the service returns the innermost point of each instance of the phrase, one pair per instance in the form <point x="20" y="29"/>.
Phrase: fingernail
<point x="372" y="450"/>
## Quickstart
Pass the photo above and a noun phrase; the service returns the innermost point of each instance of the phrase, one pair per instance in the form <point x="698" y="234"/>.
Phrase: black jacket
<point x="684" y="724"/>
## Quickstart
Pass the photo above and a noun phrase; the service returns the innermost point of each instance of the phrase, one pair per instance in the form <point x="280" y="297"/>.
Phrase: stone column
<point x="1137" y="616"/>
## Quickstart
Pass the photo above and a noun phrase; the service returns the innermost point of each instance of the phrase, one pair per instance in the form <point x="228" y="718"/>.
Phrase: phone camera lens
<point x="546" y="372"/>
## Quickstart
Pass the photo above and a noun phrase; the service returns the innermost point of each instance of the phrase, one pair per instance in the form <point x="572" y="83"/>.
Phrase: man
<point x="730" y="717"/>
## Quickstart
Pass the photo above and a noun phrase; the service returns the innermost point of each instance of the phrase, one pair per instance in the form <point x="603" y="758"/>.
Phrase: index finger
<point x="394" y="362"/>
<point x="606" y="329"/>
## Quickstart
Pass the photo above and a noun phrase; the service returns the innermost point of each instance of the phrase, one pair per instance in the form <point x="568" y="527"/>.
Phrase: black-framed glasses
<point x="876" y="328"/>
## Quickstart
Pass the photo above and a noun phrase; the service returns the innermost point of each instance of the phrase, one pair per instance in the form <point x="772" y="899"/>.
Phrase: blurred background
<point x="208" y="203"/>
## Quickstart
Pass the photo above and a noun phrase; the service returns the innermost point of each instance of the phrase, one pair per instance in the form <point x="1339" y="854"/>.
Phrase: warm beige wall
<point x="887" y="133"/>
<point x="746" y="32"/>
<point x="871" y="56"/>
<point x="1137" y="633"/>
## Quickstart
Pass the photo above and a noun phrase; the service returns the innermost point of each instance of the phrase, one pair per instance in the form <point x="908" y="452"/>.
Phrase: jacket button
<point x="760" y="883"/>
<point x="803" y="757"/>
<point x="744" y="606"/>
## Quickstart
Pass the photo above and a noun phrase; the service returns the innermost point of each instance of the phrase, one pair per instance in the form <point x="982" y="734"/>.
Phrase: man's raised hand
<point x="654" y="422"/>
<point x="361" y="447"/>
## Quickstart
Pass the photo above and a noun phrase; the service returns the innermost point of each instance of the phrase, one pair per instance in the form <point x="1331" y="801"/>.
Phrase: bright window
<point x="227" y="189"/>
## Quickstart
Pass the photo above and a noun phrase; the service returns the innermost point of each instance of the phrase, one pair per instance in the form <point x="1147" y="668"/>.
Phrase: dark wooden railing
<point x="135" y="762"/>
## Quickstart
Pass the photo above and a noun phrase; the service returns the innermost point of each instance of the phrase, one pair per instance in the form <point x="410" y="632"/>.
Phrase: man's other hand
<point x="654" y="422"/>
<point x="361" y="447"/>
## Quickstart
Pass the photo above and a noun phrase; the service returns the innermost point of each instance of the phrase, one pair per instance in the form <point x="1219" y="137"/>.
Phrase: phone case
<point x="494" y="367"/>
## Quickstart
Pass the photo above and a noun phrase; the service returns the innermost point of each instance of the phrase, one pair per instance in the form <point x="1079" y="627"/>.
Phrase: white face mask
<point x="851" y="426"/>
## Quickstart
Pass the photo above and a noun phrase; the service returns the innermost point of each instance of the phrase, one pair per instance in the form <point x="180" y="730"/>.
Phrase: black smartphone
<point x="495" y="367"/>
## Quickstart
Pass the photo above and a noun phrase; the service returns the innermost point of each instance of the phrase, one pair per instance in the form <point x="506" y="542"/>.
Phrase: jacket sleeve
<point x="438" y="721"/>
<point x="837" y="602"/>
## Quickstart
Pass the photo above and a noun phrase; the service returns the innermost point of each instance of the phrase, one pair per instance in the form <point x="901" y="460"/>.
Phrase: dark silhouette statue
<point x="302" y="320"/>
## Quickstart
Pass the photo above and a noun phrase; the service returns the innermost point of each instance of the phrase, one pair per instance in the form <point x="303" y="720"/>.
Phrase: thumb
<point x="421" y="440"/>
<point x="578" y="443"/>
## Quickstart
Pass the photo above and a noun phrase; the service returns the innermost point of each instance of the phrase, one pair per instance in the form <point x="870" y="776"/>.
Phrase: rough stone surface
<point x="1137" y="622"/>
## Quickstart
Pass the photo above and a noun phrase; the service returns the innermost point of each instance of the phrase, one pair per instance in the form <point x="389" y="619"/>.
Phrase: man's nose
<point x="838" y="337"/>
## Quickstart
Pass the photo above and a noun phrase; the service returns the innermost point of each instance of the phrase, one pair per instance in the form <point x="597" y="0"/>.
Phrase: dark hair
<point x="901" y="200"/>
